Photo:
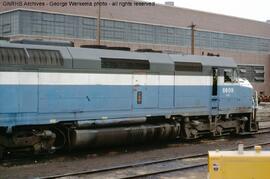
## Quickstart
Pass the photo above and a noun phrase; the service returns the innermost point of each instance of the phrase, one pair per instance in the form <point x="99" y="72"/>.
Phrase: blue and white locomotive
<point x="51" y="97"/>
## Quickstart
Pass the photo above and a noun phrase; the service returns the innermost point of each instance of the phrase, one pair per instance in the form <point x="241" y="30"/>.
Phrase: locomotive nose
<point x="245" y="83"/>
<point x="253" y="93"/>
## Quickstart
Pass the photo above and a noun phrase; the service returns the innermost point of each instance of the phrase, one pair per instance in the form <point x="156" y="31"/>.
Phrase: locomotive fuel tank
<point x="123" y="135"/>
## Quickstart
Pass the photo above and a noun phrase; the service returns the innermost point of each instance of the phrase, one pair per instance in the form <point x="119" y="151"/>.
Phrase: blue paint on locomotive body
<point x="45" y="104"/>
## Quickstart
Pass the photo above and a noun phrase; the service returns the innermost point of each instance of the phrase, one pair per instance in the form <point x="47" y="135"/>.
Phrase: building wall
<point x="159" y="14"/>
<point x="58" y="25"/>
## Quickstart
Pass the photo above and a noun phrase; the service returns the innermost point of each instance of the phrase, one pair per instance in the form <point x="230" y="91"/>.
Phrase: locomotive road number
<point x="227" y="90"/>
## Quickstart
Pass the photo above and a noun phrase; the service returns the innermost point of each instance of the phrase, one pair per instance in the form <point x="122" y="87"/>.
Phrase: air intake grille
<point x="45" y="57"/>
<point x="12" y="56"/>
<point x="33" y="57"/>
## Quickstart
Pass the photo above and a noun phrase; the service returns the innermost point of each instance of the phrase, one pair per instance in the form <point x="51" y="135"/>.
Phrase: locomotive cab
<point x="232" y="106"/>
<point x="238" y="99"/>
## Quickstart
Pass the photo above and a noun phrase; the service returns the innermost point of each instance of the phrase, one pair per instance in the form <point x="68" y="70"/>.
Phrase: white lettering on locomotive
<point x="227" y="90"/>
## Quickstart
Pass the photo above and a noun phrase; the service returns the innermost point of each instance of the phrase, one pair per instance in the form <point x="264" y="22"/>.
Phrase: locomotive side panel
<point x="145" y="91"/>
<point x="166" y="92"/>
<point x="18" y="92"/>
<point x="192" y="92"/>
<point x="83" y="92"/>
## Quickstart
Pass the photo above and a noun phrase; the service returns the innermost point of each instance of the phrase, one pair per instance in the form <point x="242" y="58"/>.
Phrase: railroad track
<point x="145" y="169"/>
<point x="263" y="130"/>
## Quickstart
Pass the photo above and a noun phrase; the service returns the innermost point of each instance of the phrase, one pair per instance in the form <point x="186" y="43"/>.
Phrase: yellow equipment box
<point x="239" y="164"/>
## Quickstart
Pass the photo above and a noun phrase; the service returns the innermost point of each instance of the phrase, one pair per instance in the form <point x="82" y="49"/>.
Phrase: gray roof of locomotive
<point x="87" y="58"/>
<point x="209" y="61"/>
<point x="91" y="58"/>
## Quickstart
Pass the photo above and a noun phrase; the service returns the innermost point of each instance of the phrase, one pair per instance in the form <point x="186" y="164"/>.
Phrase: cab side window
<point x="228" y="76"/>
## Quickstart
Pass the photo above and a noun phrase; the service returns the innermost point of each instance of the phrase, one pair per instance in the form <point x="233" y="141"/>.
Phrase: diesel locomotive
<point x="53" y="97"/>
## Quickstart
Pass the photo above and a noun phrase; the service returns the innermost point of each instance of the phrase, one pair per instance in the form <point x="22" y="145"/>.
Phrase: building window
<point x="253" y="73"/>
<point x="6" y="28"/>
<point x="48" y="17"/>
<point x="60" y="18"/>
